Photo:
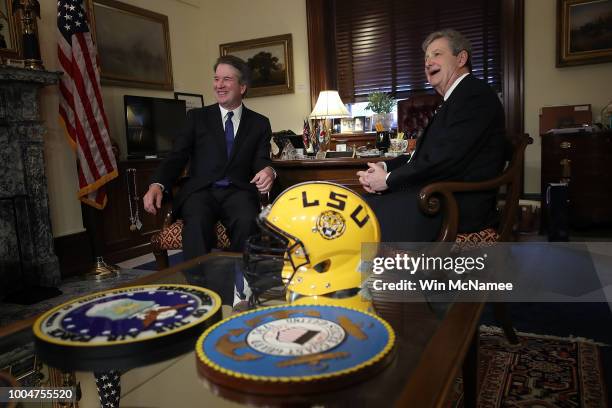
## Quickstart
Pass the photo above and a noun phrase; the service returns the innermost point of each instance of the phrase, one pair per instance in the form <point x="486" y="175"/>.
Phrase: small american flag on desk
<point x="81" y="107"/>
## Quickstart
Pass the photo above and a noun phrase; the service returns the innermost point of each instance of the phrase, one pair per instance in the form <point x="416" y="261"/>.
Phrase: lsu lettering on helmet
<point x="320" y="228"/>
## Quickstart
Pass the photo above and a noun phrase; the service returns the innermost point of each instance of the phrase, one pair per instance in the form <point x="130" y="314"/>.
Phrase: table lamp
<point x="328" y="106"/>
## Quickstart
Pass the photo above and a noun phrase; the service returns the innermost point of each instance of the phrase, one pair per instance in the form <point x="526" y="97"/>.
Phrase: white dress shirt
<point x="235" y="118"/>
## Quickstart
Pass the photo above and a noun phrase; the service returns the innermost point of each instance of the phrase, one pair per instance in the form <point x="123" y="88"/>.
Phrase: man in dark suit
<point x="465" y="141"/>
<point x="227" y="147"/>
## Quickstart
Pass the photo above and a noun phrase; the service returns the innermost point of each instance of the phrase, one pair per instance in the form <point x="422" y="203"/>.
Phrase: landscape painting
<point x="133" y="45"/>
<point x="270" y="60"/>
<point x="584" y="32"/>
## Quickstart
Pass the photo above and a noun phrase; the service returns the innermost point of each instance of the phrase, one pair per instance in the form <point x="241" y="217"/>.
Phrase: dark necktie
<point x="229" y="133"/>
<point x="229" y="143"/>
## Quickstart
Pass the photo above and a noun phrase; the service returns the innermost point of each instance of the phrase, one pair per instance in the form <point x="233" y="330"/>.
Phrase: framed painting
<point x="10" y="32"/>
<point x="271" y="63"/>
<point x="584" y="32"/>
<point x="192" y="101"/>
<point x="133" y="45"/>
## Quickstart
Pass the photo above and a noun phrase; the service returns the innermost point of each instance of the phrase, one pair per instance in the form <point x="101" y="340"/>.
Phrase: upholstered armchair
<point x="439" y="198"/>
<point x="414" y="113"/>
<point x="171" y="237"/>
<point x="171" y="233"/>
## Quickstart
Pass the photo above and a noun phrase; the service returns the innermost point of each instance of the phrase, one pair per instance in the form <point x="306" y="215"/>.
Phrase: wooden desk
<point x="342" y="171"/>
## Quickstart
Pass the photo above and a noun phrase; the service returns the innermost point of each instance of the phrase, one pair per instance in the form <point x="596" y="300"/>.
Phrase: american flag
<point x="109" y="388"/>
<point x="306" y="134"/>
<point x="81" y="108"/>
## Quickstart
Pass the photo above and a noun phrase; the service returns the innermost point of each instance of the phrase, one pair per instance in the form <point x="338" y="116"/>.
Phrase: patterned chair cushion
<point x="170" y="237"/>
<point x="478" y="239"/>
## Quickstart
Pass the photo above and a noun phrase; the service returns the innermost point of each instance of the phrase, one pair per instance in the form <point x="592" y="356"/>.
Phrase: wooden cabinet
<point x="111" y="227"/>
<point x="585" y="161"/>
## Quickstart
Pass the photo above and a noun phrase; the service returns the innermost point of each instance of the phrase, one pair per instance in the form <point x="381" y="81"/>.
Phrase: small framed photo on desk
<point x="347" y="125"/>
<point x="359" y="124"/>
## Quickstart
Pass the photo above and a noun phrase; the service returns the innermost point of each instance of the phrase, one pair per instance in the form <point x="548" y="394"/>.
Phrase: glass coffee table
<point x="433" y="345"/>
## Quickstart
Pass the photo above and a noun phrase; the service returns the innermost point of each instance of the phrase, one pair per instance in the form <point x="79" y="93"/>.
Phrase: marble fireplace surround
<point x="26" y="241"/>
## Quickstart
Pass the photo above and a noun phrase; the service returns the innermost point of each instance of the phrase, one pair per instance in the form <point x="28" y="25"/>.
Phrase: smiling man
<point x="465" y="141"/>
<point x="227" y="147"/>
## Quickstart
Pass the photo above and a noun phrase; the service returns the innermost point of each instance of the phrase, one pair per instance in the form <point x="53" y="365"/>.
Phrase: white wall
<point x="546" y="85"/>
<point x="239" y="20"/>
<point x="59" y="158"/>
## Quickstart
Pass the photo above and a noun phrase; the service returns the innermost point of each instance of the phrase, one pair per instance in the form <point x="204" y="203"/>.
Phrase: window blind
<point x="378" y="43"/>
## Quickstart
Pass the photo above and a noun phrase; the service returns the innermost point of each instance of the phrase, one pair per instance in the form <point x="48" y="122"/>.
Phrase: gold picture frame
<point x="10" y="32"/>
<point x="133" y="45"/>
<point x="271" y="63"/>
<point x="584" y="33"/>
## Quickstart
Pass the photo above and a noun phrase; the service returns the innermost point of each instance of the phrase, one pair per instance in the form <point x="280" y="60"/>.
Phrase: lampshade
<point x="329" y="105"/>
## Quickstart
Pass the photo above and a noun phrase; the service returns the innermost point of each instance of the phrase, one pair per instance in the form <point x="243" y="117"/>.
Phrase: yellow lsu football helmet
<point x="322" y="226"/>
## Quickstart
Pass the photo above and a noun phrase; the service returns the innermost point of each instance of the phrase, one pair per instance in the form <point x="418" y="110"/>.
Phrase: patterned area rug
<point x="540" y="371"/>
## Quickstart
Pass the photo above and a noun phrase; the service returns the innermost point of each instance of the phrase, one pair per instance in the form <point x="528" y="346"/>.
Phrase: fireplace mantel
<point x="26" y="241"/>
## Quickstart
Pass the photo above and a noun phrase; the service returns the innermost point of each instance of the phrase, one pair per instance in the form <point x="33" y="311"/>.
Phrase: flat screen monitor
<point x="151" y="125"/>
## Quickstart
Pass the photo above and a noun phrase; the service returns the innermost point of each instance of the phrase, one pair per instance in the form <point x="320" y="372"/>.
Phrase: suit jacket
<point x="465" y="141"/>
<point x="201" y="143"/>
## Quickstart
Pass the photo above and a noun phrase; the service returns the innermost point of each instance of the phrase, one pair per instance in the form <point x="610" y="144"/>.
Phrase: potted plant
<point x="381" y="104"/>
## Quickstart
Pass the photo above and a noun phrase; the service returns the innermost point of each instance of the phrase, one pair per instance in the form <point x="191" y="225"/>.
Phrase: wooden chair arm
<point x="440" y="196"/>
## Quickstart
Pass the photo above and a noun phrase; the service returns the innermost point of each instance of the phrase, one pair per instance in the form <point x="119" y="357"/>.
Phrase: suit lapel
<point x="442" y="110"/>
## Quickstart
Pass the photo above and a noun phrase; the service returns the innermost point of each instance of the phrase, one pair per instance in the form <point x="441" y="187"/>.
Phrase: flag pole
<point x="100" y="269"/>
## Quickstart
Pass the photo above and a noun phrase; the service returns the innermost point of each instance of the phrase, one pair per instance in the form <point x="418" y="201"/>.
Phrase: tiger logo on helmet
<point x="319" y="228"/>
<point x="331" y="224"/>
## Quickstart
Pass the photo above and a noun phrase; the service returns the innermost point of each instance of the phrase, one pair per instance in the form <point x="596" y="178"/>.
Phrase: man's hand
<point x="152" y="200"/>
<point x="263" y="179"/>
<point x="374" y="179"/>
